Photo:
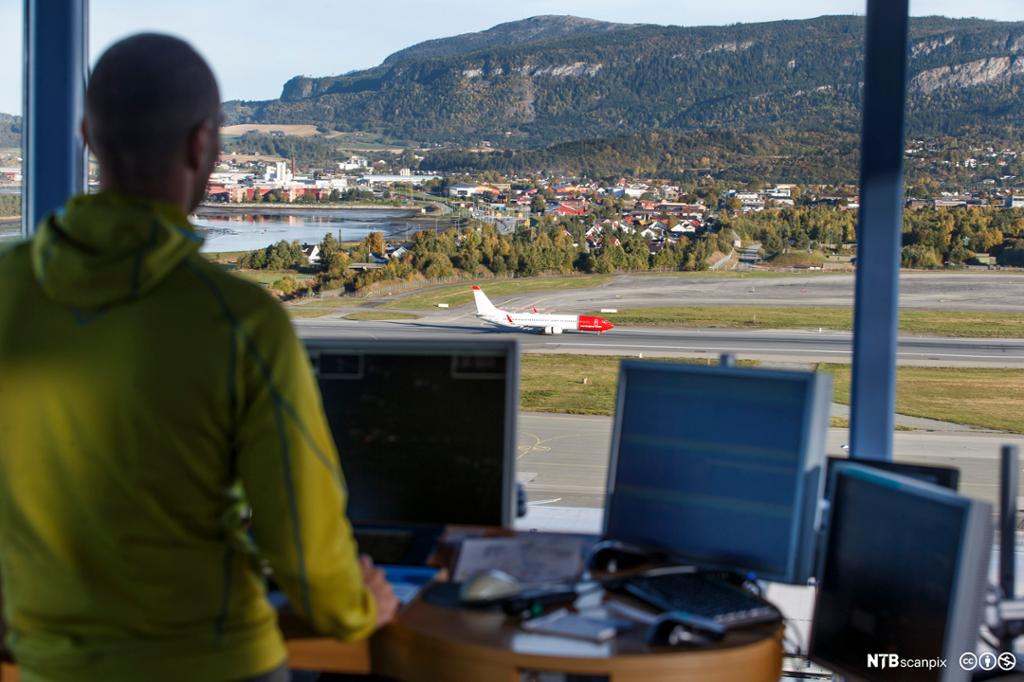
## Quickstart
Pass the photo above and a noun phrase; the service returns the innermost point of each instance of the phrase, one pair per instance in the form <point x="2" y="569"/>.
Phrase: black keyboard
<point x="397" y="545"/>
<point x="701" y="601"/>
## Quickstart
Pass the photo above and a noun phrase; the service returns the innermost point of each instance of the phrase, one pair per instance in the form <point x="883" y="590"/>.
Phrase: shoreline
<point x="298" y="208"/>
<point x="404" y="214"/>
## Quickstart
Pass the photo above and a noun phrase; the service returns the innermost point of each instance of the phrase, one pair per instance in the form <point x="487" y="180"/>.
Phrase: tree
<point x="375" y="244"/>
<point x="920" y="256"/>
<point x="538" y="204"/>
<point x="287" y="285"/>
<point x="333" y="260"/>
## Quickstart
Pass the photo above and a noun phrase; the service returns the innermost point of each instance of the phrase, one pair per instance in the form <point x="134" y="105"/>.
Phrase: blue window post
<point x="55" y="71"/>
<point x="879" y="229"/>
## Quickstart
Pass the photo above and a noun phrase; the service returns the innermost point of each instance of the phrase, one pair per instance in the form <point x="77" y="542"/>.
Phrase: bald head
<point x="152" y="107"/>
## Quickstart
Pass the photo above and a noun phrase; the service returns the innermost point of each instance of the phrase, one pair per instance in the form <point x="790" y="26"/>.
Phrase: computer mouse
<point x="489" y="586"/>
<point x="668" y="630"/>
<point x="611" y="557"/>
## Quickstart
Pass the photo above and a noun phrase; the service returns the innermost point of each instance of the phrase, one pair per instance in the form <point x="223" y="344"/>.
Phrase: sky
<point x="255" y="46"/>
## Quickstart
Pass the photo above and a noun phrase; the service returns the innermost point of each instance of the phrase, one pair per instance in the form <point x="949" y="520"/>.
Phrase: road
<point x="563" y="459"/>
<point x="771" y="346"/>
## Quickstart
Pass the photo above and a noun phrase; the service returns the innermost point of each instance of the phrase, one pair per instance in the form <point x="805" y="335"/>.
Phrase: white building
<point x="464" y="191"/>
<point x="312" y="253"/>
<point x="10" y="174"/>
<point x="278" y="173"/>
<point x="354" y="163"/>
<point x="414" y="180"/>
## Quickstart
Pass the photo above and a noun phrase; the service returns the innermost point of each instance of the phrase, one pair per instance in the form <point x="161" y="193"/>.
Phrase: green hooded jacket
<point x="143" y="388"/>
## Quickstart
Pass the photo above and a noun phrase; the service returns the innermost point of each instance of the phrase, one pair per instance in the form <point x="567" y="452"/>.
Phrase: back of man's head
<point x="146" y="96"/>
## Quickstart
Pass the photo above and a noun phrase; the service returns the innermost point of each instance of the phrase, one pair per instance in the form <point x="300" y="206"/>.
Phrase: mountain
<point x="532" y="30"/>
<point x="549" y="80"/>
<point x="10" y="130"/>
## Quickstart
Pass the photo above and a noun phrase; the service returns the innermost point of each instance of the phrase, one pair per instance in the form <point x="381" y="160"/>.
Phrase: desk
<point x="428" y="643"/>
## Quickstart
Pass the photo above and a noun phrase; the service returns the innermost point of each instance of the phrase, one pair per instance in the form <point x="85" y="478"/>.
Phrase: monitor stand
<point x="1010" y="610"/>
<point x="613" y="556"/>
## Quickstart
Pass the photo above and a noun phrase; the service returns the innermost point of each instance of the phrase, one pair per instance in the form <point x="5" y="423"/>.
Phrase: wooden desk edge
<point x="413" y="657"/>
<point x="326" y="654"/>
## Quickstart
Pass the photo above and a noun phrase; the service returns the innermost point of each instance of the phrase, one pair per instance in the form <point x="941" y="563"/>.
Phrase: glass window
<point x="693" y="181"/>
<point x="10" y="120"/>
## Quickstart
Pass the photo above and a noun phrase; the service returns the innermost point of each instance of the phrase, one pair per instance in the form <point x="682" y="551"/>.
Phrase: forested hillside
<point x="557" y="79"/>
<point x="803" y="157"/>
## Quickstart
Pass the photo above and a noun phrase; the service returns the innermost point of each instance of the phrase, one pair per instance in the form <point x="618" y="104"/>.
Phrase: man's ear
<point x="83" y="127"/>
<point x="198" y="147"/>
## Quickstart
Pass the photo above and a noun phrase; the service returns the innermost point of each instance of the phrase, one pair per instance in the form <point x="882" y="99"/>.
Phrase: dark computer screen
<point x="944" y="477"/>
<point x="424" y="432"/>
<point x="889" y="578"/>
<point x="718" y="466"/>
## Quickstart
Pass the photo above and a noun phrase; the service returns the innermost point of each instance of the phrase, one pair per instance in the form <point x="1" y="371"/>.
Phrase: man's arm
<point x="289" y="468"/>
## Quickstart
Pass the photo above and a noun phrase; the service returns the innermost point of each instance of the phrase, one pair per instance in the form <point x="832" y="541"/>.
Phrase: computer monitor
<point x="944" y="477"/>
<point x="426" y="430"/>
<point x="719" y="467"/>
<point x="904" y="572"/>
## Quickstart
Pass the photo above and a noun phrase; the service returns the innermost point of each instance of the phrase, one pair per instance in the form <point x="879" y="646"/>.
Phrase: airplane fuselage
<point x="548" y="324"/>
<point x="543" y="322"/>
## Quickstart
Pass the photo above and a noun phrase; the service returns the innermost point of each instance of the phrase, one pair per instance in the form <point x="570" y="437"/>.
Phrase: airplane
<point x="534" y="321"/>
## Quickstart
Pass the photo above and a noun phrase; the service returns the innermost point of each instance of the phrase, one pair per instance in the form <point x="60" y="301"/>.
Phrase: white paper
<point x="530" y="559"/>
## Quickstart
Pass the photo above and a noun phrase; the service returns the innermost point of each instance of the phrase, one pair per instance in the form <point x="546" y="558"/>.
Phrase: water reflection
<point x="244" y="231"/>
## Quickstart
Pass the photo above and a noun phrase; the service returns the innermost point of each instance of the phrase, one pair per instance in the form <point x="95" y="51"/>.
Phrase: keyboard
<point x="701" y="601"/>
<point x="397" y="545"/>
<point x="384" y="545"/>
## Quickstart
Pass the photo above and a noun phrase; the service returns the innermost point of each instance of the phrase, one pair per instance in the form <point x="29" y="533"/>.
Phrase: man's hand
<point x="380" y="588"/>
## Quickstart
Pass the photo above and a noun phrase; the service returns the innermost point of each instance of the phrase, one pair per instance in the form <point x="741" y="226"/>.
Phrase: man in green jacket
<point x="145" y="397"/>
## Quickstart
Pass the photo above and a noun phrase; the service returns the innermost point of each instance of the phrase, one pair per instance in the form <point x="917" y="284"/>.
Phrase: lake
<point x="246" y="230"/>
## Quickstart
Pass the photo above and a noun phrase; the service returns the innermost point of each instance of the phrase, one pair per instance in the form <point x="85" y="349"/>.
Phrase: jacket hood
<point x="107" y="248"/>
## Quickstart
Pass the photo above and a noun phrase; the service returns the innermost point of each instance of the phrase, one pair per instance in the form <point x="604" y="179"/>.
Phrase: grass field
<point x="798" y="259"/>
<point x="310" y="307"/>
<point x="268" y="277"/>
<point x="573" y="384"/>
<point x="308" y="313"/>
<point x="986" y="398"/>
<point x="459" y="294"/>
<point x="931" y="322"/>
<point x="296" y="130"/>
<point x="381" y="315"/>
<point x="990" y="398"/>
<point x="224" y="257"/>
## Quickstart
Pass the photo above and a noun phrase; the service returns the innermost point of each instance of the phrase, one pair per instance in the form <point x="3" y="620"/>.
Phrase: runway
<point x="770" y="346"/>
<point x="981" y="291"/>
<point x="563" y="459"/>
